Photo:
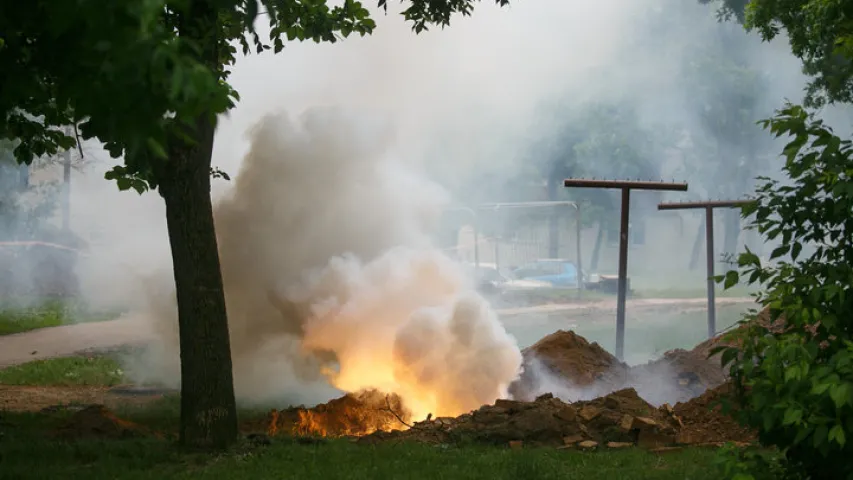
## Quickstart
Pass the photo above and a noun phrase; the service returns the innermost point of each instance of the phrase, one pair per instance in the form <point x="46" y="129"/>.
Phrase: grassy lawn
<point x="64" y="372"/>
<point x="22" y="318"/>
<point x="27" y="443"/>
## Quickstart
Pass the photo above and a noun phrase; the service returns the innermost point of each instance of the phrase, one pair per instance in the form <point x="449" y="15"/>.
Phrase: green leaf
<point x="779" y="251"/>
<point x="731" y="279"/>
<point x="820" y="388"/>
<point x="836" y="434"/>
<point x="124" y="183"/>
<point x="841" y="394"/>
<point x="792" y="415"/>
<point x="796" y="248"/>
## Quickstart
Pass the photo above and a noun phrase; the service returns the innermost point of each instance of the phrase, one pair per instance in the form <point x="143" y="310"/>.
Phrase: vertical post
<point x="66" y="190"/>
<point x="709" y="242"/>
<point x="623" y="274"/>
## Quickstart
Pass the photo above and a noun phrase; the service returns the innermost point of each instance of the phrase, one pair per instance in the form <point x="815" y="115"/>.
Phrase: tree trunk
<point x="208" y="410"/>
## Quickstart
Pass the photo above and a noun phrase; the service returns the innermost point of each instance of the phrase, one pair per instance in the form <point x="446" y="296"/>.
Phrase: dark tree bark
<point x="208" y="409"/>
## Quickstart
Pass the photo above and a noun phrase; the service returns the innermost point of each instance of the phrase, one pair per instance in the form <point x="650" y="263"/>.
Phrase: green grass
<point x="65" y="372"/>
<point x="26" y="445"/>
<point x="17" y="318"/>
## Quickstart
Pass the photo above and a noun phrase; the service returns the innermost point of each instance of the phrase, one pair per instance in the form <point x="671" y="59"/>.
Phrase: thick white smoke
<point x="329" y="275"/>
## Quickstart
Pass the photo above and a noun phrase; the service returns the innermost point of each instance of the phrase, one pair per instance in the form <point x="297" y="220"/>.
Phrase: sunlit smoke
<point x="326" y="255"/>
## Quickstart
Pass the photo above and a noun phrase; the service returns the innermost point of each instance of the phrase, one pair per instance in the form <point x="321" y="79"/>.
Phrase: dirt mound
<point x="353" y="414"/>
<point x="97" y="421"/>
<point x="678" y="376"/>
<point x="621" y="419"/>
<point x="570" y="358"/>
<point x="704" y="421"/>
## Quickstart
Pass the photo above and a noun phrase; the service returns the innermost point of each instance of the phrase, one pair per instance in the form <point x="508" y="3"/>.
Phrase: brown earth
<point x="568" y="356"/>
<point x="569" y="360"/>
<point x="98" y="421"/>
<point x="621" y="419"/>
<point x="705" y="422"/>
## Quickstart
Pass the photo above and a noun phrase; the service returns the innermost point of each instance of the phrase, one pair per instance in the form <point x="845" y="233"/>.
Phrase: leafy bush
<point x="795" y="383"/>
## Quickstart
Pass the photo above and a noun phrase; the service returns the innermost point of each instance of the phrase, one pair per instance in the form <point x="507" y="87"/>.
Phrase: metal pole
<point x="709" y="242"/>
<point x="623" y="274"/>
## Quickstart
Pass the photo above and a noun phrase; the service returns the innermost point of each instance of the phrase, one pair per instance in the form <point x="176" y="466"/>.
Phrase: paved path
<point x="133" y="330"/>
<point x="69" y="339"/>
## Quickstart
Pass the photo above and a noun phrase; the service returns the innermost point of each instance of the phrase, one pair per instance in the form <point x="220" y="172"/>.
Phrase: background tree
<point x="148" y="79"/>
<point x="728" y="149"/>
<point x="820" y="33"/>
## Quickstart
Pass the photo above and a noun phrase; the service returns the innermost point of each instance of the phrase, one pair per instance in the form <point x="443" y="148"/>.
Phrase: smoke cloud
<point x="329" y="274"/>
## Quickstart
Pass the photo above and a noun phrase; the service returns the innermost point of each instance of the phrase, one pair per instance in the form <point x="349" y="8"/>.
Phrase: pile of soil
<point x="704" y="421"/>
<point x="578" y="365"/>
<point x="354" y="414"/>
<point x="679" y="375"/>
<point x="567" y="356"/>
<point x="99" y="422"/>
<point x="620" y="419"/>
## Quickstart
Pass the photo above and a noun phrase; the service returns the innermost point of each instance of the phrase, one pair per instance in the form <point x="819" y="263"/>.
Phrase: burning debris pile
<point x="620" y="419"/>
<point x="351" y="415"/>
<point x="591" y="404"/>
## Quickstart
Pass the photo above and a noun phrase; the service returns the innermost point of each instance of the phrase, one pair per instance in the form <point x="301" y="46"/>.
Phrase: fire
<point x="351" y="415"/>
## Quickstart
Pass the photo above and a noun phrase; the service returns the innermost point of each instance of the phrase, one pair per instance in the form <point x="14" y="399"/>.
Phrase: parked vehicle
<point x="557" y="273"/>
<point x="491" y="279"/>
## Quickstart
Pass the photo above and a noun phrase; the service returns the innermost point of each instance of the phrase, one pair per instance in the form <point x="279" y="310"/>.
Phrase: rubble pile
<point x="599" y="408"/>
<point x="680" y="374"/>
<point x="570" y="358"/>
<point x="704" y="421"/>
<point x="620" y="419"/>
<point x="581" y="370"/>
<point x="354" y="414"/>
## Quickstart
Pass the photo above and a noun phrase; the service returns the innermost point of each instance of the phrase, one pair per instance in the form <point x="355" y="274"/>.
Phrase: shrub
<point x="795" y="384"/>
